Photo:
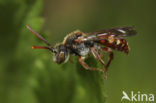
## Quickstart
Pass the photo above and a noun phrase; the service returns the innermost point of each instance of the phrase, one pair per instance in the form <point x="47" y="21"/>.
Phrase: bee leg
<point x="86" y="66"/>
<point x="100" y="52"/>
<point x="97" y="56"/>
<point x="111" y="56"/>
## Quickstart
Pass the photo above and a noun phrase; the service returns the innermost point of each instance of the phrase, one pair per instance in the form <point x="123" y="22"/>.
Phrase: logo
<point x="137" y="96"/>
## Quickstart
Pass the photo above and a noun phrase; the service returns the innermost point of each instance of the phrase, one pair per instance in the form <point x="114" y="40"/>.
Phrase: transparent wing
<point x="120" y="32"/>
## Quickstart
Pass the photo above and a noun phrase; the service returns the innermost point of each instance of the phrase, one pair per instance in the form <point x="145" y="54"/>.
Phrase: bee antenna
<point x="44" y="47"/>
<point x="44" y="40"/>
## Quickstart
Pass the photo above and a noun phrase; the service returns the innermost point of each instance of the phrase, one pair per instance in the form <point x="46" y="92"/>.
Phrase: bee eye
<point x="59" y="57"/>
<point x="61" y="54"/>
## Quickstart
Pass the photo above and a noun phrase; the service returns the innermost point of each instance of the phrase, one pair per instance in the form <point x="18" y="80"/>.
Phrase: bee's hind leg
<point x="97" y="56"/>
<point x="111" y="56"/>
<point x="86" y="66"/>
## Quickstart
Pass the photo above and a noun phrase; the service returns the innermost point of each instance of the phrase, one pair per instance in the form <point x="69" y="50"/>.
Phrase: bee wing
<point x="120" y="32"/>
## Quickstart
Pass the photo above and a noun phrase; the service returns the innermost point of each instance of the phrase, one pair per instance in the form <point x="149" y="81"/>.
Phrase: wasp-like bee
<point x="81" y="44"/>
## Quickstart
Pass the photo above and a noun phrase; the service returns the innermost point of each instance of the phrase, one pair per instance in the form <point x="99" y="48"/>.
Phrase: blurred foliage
<point x="30" y="76"/>
<point x="16" y="58"/>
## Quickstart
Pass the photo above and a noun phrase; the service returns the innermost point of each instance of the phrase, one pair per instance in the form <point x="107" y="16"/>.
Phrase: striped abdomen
<point x="117" y="44"/>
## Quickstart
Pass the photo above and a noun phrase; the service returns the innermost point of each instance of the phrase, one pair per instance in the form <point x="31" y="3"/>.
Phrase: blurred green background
<point x="30" y="76"/>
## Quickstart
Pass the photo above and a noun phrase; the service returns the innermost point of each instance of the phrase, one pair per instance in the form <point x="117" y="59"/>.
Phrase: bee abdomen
<point x="121" y="45"/>
<point x="117" y="44"/>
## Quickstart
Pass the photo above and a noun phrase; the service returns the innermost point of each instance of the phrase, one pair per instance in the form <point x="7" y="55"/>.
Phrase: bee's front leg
<point x="86" y="66"/>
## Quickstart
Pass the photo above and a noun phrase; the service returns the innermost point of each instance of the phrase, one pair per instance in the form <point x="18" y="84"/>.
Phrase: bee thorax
<point x="82" y="49"/>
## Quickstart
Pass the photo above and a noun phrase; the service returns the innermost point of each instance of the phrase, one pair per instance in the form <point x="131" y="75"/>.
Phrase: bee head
<point x="61" y="55"/>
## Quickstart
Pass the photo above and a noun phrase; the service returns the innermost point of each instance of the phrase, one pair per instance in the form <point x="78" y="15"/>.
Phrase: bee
<point x="82" y="44"/>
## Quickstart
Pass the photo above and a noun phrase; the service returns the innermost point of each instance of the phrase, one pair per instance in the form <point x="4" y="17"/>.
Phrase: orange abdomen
<point x="117" y="44"/>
